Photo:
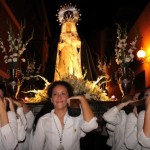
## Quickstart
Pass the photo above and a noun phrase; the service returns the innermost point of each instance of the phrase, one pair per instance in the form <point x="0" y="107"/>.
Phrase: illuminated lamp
<point x="141" y="54"/>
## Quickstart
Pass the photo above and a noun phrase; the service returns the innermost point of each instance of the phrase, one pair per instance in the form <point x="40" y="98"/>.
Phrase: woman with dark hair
<point x="131" y="140"/>
<point x="57" y="130"/>
<point x="144" y="122"/>
<point x="8" y="122"/>
<point x="115" y="119"/>
<point x="20" y="120"/>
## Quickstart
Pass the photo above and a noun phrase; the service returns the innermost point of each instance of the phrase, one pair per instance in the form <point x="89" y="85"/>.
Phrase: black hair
<point x="48" y="106"/>
<point x="140" y="108"/>
<point x="147" y="88"/>
<point x="3" y="88"/>
<point x="128" y="109"/>
<point x="63" y="83"/>
<point x="141" y="96"/>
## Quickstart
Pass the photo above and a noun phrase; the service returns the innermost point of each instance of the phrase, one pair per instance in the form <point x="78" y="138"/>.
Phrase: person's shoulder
<point x="123" y="113"/>
<point x="142" y="112"/>
<point x="45" y="116"/>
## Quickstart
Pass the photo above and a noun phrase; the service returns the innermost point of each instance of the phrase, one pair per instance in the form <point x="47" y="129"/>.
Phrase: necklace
<point x="60" y="147"/>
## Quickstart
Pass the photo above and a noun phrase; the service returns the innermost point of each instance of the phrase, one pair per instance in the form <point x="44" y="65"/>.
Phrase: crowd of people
<point x="128" y="123"/>
<point x="52" y="129"/>
<point x="16" y="120"/>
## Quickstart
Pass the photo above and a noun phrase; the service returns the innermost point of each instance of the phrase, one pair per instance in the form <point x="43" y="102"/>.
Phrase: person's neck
<point x="60" y="113"/>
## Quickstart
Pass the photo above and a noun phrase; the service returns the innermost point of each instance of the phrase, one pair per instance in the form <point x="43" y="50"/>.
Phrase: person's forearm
<point x="146" y="126"/>
<point x="122" y="105"/>
<point x="4" y="118"/>
<point x="86" y="109"/>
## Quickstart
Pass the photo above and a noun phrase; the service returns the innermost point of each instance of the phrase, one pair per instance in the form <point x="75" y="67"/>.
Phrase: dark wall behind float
<point x="139" y="81"/>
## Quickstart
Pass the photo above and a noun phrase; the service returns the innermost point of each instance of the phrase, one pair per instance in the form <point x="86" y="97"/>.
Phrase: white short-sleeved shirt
<point x="46" y="135"/>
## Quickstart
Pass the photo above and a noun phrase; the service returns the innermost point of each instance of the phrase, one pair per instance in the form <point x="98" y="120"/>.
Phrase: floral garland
<point x="90" y="89"/>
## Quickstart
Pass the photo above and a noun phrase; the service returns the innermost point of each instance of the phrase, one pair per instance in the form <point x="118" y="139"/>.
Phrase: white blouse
<point x="22" y="124"/>
<point x="143" y="140"/>
<point x="131" y="138"/>
<point x="46" y="136"/>
<point x="25" y="122"/>
<point x="8" y="133"/>
<point x="30" y="120"/>
<point x="111" y="132"/>
<point x="118" y="119"/>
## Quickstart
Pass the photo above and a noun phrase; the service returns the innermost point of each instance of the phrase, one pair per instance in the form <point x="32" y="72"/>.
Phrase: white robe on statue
<point x="68" y="61"/>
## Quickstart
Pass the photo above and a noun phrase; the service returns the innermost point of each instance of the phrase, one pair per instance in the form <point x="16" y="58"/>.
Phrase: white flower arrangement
<point x="123" y="55"/>
<point x="91" y="89"/>
<point x="31" y="70"/>
<point x="102" y="66"/>
<point x="15" y="44"/>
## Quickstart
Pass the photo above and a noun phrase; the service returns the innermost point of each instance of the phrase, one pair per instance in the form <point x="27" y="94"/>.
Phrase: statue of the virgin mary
<point x="69" y="53"/>
<point x="68" y="60"/>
